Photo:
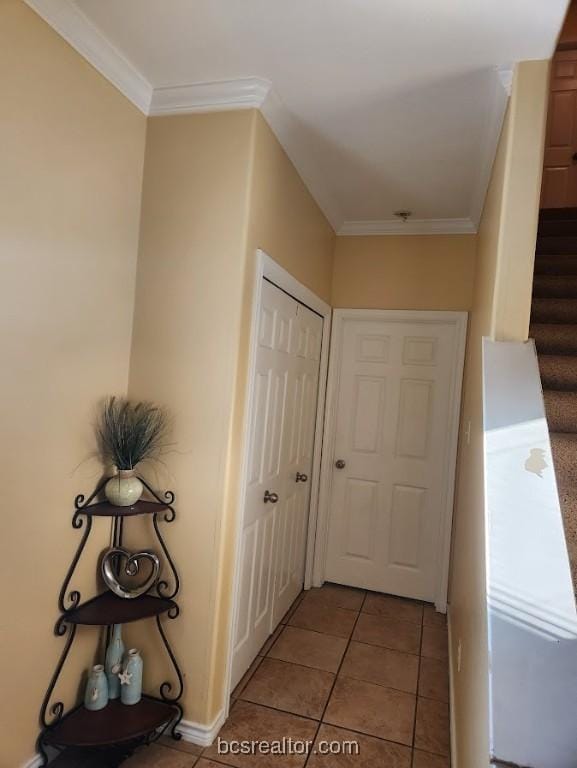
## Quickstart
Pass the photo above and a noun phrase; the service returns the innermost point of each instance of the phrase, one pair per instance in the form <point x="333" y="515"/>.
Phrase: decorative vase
<point x="113" y="662"/>
<point x="124" y="489"/>
<point x="131" y="678"/>
<point x="96" y="695"/>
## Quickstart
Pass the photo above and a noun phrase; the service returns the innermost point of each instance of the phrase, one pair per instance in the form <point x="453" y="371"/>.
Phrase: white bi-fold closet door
<point x="276" y="505"/>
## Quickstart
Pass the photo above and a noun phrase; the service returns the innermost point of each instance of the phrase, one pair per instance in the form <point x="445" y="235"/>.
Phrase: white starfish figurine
<point x="125" y="677"/>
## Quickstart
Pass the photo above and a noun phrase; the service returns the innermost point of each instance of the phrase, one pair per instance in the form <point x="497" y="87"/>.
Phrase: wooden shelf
<point x="107" y="608"/>
<point x="106" y="509"/>
<point x="114" y="724"/>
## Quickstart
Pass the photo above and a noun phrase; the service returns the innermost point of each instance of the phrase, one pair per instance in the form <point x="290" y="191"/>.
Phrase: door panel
<point x="393" y="407"/>
<point x="283" y="415"/>
<point x="559" y="186"/>
<point x="361" y="503"/>
<point x="406" y="523"/>
<point x="414" y="418"/>
<point x="298" y="458"/>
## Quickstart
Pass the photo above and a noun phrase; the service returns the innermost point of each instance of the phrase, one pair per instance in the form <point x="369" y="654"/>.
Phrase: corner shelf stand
<point x="117" y="730"/>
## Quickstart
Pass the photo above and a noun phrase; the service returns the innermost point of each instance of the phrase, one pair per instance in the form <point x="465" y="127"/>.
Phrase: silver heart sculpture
<point x="116" y="559"/>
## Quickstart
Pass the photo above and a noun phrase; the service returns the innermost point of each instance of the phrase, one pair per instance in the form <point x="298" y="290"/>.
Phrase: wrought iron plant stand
<point x="117" y="730"/>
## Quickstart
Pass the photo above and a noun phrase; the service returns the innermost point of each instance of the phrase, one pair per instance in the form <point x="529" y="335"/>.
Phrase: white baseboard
<point x="35" y="762"/>
<point x="202" y="735"/>
<point x="452" y="671"/>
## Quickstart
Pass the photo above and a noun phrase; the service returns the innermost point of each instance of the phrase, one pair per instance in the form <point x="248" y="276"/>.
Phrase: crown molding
<point x="71" y="24"/>
<point x="414" y="227"/>
<point x="242" y="93"/>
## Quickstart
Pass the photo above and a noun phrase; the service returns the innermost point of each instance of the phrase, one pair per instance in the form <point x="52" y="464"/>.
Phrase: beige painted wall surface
<point x="186" y="330"/>
<point x="499" y="257"/>
<point x="217" y="186"/>
<point x="284" y="219"/>
<point x="467" y="596"/>
<point x="520" y="205"/>
<point x="404" y="272"/>
<point x="71" y="154"/>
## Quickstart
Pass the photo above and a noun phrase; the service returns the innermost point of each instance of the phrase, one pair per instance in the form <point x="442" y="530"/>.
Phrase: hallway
<point x="343" y="666"/>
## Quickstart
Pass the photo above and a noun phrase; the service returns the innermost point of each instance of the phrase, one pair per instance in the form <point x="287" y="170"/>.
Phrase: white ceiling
<point x="381" y="104"/>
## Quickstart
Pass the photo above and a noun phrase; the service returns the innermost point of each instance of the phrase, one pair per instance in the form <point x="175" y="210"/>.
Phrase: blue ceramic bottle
<point x="96" y="695"/>
<point x="113" y="662"/>
<point x="131" y="678"/>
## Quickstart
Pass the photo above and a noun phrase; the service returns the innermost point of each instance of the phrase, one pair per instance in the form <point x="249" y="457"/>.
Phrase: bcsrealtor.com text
<point x="286" y="746"/>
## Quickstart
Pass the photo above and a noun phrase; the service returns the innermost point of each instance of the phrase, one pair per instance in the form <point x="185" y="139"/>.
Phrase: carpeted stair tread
<point x="554" y="311"/>
<point x="554" y="328"/>
<point x="556" y="265"/>
<point x="558" y="228"/>
<point x="554" y="338"/>
<point x="563" y="454"/>
<point x="557" y="244"/>
<point x="568" y="504"/>
<point x="564" y="449"/>
<point x="555" y="286"/>
<point x="557" y="214"/>
<point x="561" y="410"/>
<point x="558" y="372"/>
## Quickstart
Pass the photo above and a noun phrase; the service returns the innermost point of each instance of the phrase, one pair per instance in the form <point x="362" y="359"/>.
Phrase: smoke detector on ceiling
<point x="404" y="215"/>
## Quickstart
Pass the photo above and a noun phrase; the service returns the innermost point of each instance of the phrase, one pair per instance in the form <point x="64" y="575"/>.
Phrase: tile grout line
<point x="338" y="674"/>
<point x="336" y="727"/>
<point x="259" y="660"/>
<point x="321" y="719"/>
<point x="418" y="684"/>
<point x="293" y="606"/>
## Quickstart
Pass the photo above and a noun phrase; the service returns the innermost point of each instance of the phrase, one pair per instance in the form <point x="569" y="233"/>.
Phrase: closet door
<point x="291" y="538"/>
<point x="277" y="498"/>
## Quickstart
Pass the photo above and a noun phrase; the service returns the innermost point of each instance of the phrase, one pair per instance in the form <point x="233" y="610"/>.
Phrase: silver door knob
<point x="300" y="478"/>
<point x="340" y="464"/>
<point x="272" y="497"/>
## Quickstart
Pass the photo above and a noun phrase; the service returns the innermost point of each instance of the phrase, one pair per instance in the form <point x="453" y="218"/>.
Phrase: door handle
<point x="300" y="478"/>
<point x="272" y="497"/>
<point x="340" y="464"/>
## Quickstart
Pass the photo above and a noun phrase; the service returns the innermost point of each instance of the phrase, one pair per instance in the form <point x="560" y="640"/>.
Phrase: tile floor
<point x="343" y="665"/>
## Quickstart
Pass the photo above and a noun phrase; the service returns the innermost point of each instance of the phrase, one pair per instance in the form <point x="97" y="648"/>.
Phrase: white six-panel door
<point x="393" y="459"/>
<point x="283" y="416"/>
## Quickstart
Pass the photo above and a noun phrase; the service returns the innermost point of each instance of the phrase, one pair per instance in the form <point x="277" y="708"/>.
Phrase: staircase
<point x="554" y="328"/>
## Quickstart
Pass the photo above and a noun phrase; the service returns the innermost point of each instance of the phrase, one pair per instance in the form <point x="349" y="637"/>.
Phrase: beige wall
<point x="284" y="219"/>
<point x="71" y="156"/>
<point x="217" y="186"/>
<point x="519" y="210"/>
<point x="404" y="272"/>
<point x="501" y="304"/>
<point x="186" y="330"/>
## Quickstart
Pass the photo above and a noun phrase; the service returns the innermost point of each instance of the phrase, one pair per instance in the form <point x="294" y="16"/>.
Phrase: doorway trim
<point x="267" y="268"/>
<point x="459" y="320"/>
